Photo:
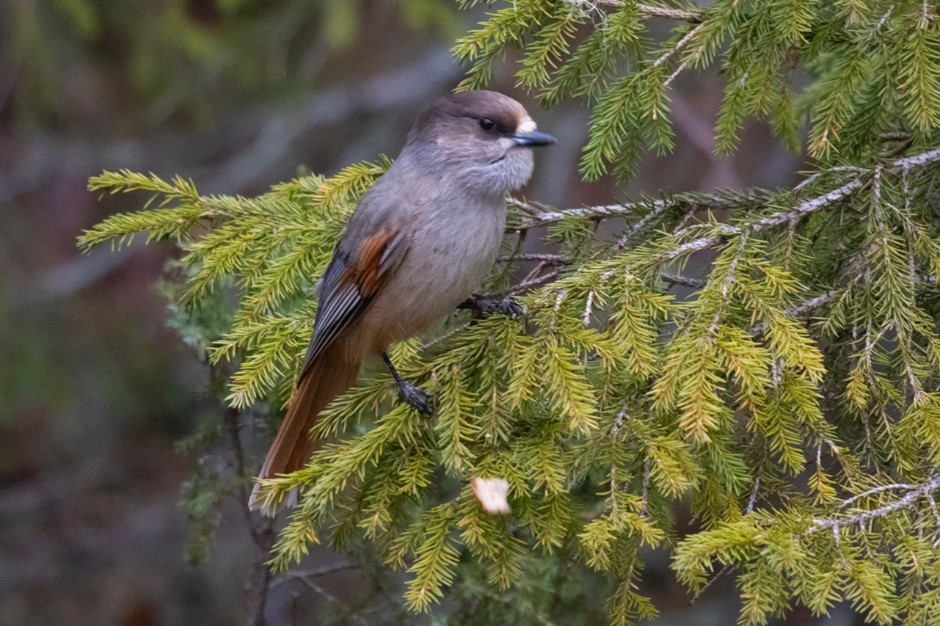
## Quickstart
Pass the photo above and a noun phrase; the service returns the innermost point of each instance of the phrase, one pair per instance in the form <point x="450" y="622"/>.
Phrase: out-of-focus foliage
<point x="791" y="403"/>
<point x="93" y="389"/>
<point x="169" y="59"/>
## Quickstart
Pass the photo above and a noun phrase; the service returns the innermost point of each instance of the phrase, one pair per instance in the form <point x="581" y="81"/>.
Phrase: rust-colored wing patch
<point x="367" y="273"/>
<point x="350" y="283"/>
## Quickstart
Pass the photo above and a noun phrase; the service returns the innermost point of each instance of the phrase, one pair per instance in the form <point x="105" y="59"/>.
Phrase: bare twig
<point x="724" y="231"/>
<point x="802" y="309"/>
<point x="884" y="18"/>
<point x="811" y="304"/>
<point x="724" y="570"/>
<point x="645" y="10"/>
<point x="816" y="176"/>
<point x="915" y="493"/>
<point x="454" y="331"/>
<point x="676" y="48"/>
<point x="685" y="281"/>
<point x="531" y="283"/>
<point x="726" y="284"/>
<point x="645" y="493"/>
<point x="752" y="499"/>
<point x="673" y="14"/>
<point x="653" y="208"/>
<point x="329" y="597"/>
<point x="658" y="209"/>
<point x="551" y="259"/>
<point x="588" y="310"/>
<point x="875" y="490"/>
<point x="313" y="572"/>
<point x="261" y="529"/>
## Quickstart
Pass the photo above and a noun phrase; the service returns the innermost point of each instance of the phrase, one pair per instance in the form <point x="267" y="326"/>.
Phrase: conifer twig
<point x="530" y="283"/>
<point x="685" y="281"/>
<point x="801" y="309"/>
<point x="648" y="10"/>
<point x="658" y="210"/>
<point x="313" y="573"/>
<point x="552" y="259"/>
<point x="677" y="48"/>
<point x="541" y="217"/>
<point x="538" y="217"/>
<point x="752" y="499"/>
<point x="329" y="597"/>
<point x="724" y="231"/>
<point x="907" y="500"/>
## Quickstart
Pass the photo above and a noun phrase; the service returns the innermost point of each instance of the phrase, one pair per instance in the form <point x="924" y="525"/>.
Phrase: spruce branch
<point x="685" y="281"/>
<point x="803" y="308"/>
<point x="657" y="208"/>
<point x="649" y="10"/>
<point x="539" y="216"/>
<point x="612" y="404"/>
<point x="908" y="500"/>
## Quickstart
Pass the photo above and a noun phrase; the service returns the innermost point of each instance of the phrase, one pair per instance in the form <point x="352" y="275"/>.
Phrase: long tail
<point x="329" y="376"/>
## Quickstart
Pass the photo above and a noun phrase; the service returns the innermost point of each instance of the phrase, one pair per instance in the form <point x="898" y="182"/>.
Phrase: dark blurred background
<point x="95" y="390"/>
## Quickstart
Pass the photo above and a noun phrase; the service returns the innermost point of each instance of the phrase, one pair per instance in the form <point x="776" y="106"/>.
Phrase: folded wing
<point x="352" y="280"/>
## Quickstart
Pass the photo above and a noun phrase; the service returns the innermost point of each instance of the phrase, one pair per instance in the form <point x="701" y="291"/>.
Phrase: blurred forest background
<point x="95" y="390"/>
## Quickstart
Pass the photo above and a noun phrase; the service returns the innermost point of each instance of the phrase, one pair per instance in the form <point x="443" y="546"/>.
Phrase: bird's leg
<point x="486" y="306"/>
<point x="412" y="394"/>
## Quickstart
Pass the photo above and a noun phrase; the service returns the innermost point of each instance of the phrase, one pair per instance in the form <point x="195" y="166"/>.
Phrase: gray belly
<point x="442" y="268"/>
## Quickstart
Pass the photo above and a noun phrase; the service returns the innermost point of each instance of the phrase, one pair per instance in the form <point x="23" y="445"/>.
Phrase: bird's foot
<point x="416" y="397"/>
<point x="487" y="306"/>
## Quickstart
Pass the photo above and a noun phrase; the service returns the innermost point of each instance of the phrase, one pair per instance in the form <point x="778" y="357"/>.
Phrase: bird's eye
<point x="487" y="124"/>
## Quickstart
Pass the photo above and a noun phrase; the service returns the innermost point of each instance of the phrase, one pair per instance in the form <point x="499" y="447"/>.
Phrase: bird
<point x="416" y="246"/>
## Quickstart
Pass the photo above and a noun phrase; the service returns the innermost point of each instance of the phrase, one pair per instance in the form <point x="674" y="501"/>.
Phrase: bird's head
<point x="480" y="139"/>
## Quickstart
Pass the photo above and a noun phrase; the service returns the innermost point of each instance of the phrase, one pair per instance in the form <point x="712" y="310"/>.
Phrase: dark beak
<point x="533" y="139"/>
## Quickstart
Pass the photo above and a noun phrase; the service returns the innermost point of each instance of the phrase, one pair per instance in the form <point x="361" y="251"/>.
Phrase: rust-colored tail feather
<point x="330" y="375"/>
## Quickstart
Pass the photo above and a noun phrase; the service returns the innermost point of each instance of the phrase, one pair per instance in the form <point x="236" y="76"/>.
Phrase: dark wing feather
<point x="350" y="283"/>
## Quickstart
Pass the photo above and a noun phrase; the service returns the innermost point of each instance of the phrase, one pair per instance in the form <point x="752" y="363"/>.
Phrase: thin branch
<point x="615" y="433"/>
<point x="313" y="572"/>
<point x="454" y="331"/>
<point x="752" y="499"/>
<point x="262" y="532"/>
<point x="875" y="490"/>
<point x="812" y="303"/>
<point x="676" y="48"/>
<point x="543" y="217"/>
<point x="884" y="18"/>
<point x="551" y="259"/>
<point x="724" y="231"/>
<point x="724" y="570"/>
<point x="329" y="597"/>
<point x="645" y="493"/>
<point x="646" y="10"/>
<point x="817" y="175"/>
<point x="526" y="285"/>
<point x="726" y="284"/>
<point x="685" y="281"/>
<point x="673" y="14"/>
<point x="588" y="310"/>
<point x="907" y="501"/>
<point x="658" y="209"/>
<point x="801" y="309"/>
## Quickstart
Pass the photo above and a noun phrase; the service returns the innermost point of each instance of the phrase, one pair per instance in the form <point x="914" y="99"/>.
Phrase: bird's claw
<point x="415" y="397"/>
